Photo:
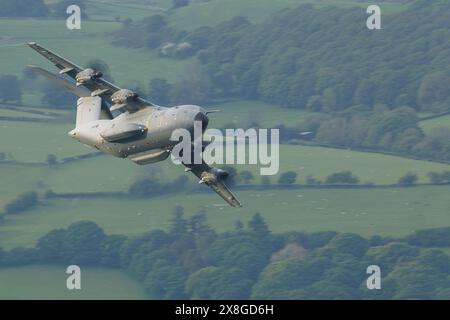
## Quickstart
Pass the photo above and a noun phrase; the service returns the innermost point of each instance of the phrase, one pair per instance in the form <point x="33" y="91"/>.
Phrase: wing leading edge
<point x="97" y="86"/>
<point x="68" y="85"/>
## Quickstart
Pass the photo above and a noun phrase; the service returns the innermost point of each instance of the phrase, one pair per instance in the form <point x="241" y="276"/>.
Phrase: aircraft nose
<point x="201" y="116"/>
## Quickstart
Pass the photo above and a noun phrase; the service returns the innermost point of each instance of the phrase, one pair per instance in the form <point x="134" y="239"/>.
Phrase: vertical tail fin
<point x="88" y="109"/>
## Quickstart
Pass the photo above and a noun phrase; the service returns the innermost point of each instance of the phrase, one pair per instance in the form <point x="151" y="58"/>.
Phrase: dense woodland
<point x="317" y="59"/>
<point x="366" y="87"/>
<point x="324" y="60"/>
<point x="191" y="260"/>
<point x="394" y="130"/>
<point x="23" y="8"/>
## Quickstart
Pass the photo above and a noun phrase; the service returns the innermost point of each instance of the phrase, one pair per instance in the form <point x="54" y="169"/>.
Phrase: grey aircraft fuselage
<point x="142" y="136"/>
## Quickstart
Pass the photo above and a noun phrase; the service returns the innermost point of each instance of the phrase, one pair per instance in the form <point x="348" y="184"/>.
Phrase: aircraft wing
<point x="214" y="178"/>
<point x="97" y="87"/>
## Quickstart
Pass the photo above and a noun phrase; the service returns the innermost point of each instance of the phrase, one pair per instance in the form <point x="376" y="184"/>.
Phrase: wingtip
<point x="237" y="204"/>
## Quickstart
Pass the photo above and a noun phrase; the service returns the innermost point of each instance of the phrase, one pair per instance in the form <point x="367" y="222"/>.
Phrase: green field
<point x="34" y="141"/>
<point x="392" y="212"/>
<point x="49" y="282"/>
<point x="369" y="167"/>
<point x="136" y="10"/>
<point x="429" y="125"/>
<point x="80" y="46"/>
<point x="244" y="114"/>
<point x="17" y="113"/>
<point x="105" y="173"/>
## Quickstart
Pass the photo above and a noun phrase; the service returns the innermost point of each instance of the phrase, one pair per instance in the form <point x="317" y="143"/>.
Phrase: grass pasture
<point x="428" y="125"/>
<point x="320" y="162"/>
<point x="19" y="113"/>
<point x="244" y="113"/>
<point x="117" y="174"/>
<point x="390" y="212"/>
<point x="49" y="282"/>
<point x="32" y="142"/>
<point x="369" y="167"/>
<point x="80" y="46"/>
<point x="136" y="10"/>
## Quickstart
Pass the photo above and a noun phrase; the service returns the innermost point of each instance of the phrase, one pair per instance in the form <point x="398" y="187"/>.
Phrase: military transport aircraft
<point x="119" y="122"/>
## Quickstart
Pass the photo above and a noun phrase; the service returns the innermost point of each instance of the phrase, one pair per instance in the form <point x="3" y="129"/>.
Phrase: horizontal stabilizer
<point x="69" y="86"/>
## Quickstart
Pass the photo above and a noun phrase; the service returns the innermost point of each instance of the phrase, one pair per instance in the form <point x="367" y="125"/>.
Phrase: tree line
<point x="190" y="260"/>
<point x="395" y="131"/>
<point x="318" y="59"/>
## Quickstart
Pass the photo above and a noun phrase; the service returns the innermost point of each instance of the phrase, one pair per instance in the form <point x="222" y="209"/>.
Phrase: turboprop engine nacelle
<point x="123" y="96"/>
<point x="87" y="75"/>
